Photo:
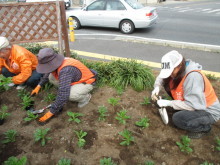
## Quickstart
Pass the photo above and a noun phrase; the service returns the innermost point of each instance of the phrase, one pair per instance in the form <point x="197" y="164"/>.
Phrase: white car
<point x="123" y="14"/>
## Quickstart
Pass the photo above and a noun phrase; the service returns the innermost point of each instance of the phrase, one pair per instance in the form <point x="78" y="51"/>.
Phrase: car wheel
<point x="76" y="23"/>
<point x="127" y="27"/>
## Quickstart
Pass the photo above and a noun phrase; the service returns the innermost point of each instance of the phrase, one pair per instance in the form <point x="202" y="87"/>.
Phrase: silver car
<point x="123" y="14"/>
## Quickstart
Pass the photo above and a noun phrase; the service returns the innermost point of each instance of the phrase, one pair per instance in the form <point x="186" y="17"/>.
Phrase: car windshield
<point x="134" y="4"/>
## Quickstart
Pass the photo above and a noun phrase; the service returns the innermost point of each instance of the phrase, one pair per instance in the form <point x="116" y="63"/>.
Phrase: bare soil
<point x="156" y="143"/>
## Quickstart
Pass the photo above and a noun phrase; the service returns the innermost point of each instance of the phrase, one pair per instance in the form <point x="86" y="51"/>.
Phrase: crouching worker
<point x="18" y="63"/>
<point x="74" y="80"/>
<point x="192" y="93"/>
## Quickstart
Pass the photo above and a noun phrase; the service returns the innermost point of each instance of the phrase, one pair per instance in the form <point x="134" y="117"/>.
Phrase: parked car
<point x="67" y="2"/>
<point x="123" y="14"/>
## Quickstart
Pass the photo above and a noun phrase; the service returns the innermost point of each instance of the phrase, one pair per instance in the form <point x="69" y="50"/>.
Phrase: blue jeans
<point x="31" y="81"/>
<point x="193" y="121"/>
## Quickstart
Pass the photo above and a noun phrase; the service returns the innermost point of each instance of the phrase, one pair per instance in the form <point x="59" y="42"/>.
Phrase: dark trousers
<point x="193" y="121"/>
<point x="31" y="81"/>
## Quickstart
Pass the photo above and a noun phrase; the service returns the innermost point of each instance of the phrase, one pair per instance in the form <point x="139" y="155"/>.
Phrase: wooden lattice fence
<point x="34" y="22"/>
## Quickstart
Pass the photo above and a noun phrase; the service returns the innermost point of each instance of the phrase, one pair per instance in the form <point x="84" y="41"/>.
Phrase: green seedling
<point x="102" y="113"/>
<point x="64" y="161"/>
<point x="119" y="90"/>
<point x="149" y="163"/>
<point x="184" y="145"/>
<point x="40" y="135"/>
<point x="107" y="161"/>
<point x="4" y="81"/>
<point x="80" y="135"/>
<point x="50" y="97"/>
<point x="218" y="144"/>
<point x="16" y="161"/>
<point x="47" y="87"/>
<point x="74" y="117"/>
<point x="3" y="112"/>
<point x="10" y="136"/>
<point x="113" y="101"/>
<point x="22" y="93"/>
<point x="26" y="102"/>
<point x="30" y="116"/>
<point x="122" y="116"/>
<point x="146" y="101"/>
<point x="207" y="163"/>
<point x="143" y="122"/>
<point x="127" y="137"/>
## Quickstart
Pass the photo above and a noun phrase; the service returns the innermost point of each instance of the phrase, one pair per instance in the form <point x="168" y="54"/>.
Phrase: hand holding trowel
<point x="40" y="110"/>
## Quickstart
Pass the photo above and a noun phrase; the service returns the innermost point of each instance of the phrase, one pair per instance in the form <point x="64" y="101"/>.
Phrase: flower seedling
<point x="16" y="161"/>
<point x="64" y="161"/>
<point x="143" y="122"/>
<point x="80" y="135"/>
<point x="22" y="93"/>
<point x="30" y="116"/>
<point x="40" y="135"/>
<point x="50" y="97"/>
<point x="122" y="116"/>
<point x="146" y="101"/>
<point x="3" y="112"/>
<point x="10" y="136"/>
<point x="127" y="137"/>
<point x="4" y="81"/>
<point x="102" y="113"/>
<point x="107" y="161"/>
<point x="113" y="101"/>
<point x="47" y="87"/>
<point x="149" y="163"/>
<point x="218" y="144"/>
<point x="206" y="163"/>
<point x="26" y="102"/>
<point x="74" y="117"/>
<point x="184" y="145"/>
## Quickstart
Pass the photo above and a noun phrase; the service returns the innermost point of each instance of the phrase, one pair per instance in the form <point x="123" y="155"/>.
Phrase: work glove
<point x="154" y="93"/>
<point x="164" y="103"/>
<point x="36" y="90"/>
<point x="46" y="117"/>
<point x="11" y="84"/>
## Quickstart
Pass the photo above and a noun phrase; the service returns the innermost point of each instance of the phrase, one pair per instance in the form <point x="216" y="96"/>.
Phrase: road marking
<point x="212" y="11"/>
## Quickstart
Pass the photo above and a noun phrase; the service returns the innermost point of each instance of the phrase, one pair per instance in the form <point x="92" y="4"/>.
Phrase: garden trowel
<point x="40" y="110"/>
<point x="163" y="114"/>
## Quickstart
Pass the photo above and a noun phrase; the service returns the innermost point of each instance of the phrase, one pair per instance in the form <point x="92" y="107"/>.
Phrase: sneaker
<point x="86" y="101"/>
<point x="198" y="135"/>
<point x="20" y="87"/>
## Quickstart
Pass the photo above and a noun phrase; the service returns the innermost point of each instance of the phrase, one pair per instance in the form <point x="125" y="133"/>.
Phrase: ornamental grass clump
<point x="40" y="135"/>
<point x="16" y="161"/>
<point x="10" y="136"/>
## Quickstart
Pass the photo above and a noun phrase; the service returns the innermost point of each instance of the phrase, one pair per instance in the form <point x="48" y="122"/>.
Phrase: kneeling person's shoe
<point x="20" y="87"/>
<point x="85" y="101"/>
<point x="198" y="135"/>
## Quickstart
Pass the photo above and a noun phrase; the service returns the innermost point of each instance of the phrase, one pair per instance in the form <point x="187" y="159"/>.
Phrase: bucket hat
<point x="48" y="60"/>
<point x="3" y="42"/>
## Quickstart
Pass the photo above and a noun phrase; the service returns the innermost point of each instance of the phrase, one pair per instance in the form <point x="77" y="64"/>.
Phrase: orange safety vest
<point x="87" y="75"/>
<point x="210" y="95"/>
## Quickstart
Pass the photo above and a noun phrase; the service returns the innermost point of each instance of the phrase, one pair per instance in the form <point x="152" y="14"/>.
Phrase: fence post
<point x="72" y="36"/>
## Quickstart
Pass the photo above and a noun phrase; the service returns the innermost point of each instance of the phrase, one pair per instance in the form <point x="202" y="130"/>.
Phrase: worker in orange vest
<point x="192" y="94"/>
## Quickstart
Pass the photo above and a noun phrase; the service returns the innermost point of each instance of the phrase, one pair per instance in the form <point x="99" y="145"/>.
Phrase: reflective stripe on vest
<point x="87" y="75"/>
<point x="210" y="95"/>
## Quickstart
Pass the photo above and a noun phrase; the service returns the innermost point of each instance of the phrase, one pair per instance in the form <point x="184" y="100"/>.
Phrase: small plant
<point x="119" y="90"/>
<point x="47" y="87"/>
<point x="30" y="116"/>
<point x="74" y="117"/>
<point x="113" y="101"/>
<point x="3" y="112"/>
<point x="10" y="136"/>
<point x="143" y="122"/>
<point x="184" y="144"/>
<point x="211" y="76"/>
<point x="50" y="97"/>
<point x="26" y="102"/>
<point x="102" y="113"/>
<point x="15" y="161"/>
<point x="81" y="141"/>
<point x="121" y="116"/>
<point x="4" y="81"/>
<point x="149" y="163"/>
<point x="22" y="93"/>
<point x="146" y="101"/>
<point x="127" y="137"/>
<point x="107" y="161"/>
<point x="218" y="144"/>
<point x="206" y="163"/>
<point x="40" y="135"/>
<point x="64" y="161"/>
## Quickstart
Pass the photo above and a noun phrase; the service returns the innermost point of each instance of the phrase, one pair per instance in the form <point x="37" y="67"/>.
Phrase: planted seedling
<point x="10" y="136"/>
<point x="143" y="122"/>
<point x="30" y="116"/>
<point x="50" y="97"/>
<point x="3" y="114"/>
<point x="149" y="163"/>
<point x="4" y="81"/>
<point x="122" y="116"/>
<point x="102" y="113"/>
<point x="27" y="102"/>
<point x="218" y="144"/>
<point x="107" y="161"/>
<point x="74" y="117"/>
<point x="184" y="145"/>
<point x="207" y="163"/>
<point x="80" y="135"/>
<point x="47" y="87"/>
<point x="113" y="101"/>
<point x="22" y="93"/>
<point x="64" y="161"/>
<point x="146" y="101"/>
<point x="127" y="137"/>
<point x="16" y="161"/>
<point x="40" y="135"/>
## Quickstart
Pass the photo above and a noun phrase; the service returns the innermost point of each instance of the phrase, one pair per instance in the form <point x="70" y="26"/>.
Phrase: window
<point x="114" y="5"/>
<point x="98" y="5"/>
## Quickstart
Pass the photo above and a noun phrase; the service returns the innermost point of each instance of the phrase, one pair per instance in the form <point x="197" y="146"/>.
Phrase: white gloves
<point x="164" y="103"/>
<point x="11" y="84"/>
<point x="154" y="94"/>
